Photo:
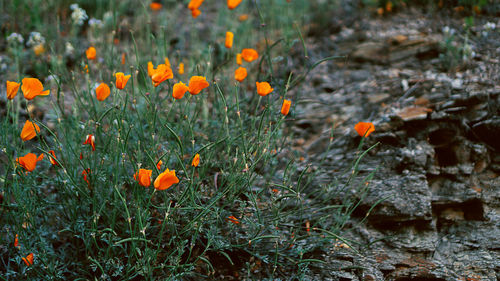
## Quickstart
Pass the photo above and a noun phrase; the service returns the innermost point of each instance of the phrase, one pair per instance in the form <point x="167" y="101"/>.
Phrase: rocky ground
<point x="438" y="155"/>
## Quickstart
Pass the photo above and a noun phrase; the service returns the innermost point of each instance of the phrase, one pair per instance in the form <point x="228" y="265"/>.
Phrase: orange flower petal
<point x="364" y="129"/>
<point x="29" y="131"/>
<point x="231" y="4"/>
<point x="263" y="88"/>
<point x="196" y="160"/>
<point x="155" y="6"/>
<point x="229" y="40"/>
<point x="28" y="161"/>
<point x="240" y="74"/>
<point x="32" y="87"/>
<point x="91" y="53"/>
<point x="196" y="84"/>
<point x="12" y="88"/>
<point x="53" y="158"/>
<point x="143" y="177"/>
<point x="165" y="180"/>
<point x="285" y="108"/>
<point x="194" y="4"/>
<point x="181" y="68"/>
<point x="179" y="90"/>
<point x="28" y="260"/>
<point x="249" y="55"/>
<point x="121" y="80"/>
<point x="102" y="91"/>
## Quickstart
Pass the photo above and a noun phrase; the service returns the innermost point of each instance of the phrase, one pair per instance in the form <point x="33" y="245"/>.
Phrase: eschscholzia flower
<point x="143" y="177"/>
<point x="229" y="39"/>
<point x="238" y="59"/>
<point x="53" y="158"/>
<point x="28" y="161"/>
<point x="240" y="74"/>
<point x="263" y="88"/>
<point x="158" y="165"/>
<point x="90" y="139"/>
<point x="121" y="80"/>
<point x="231" y="4"/>
<point x="243" y="17"/>
<point x="28" y="260"/>
<point x="233" y="219"/>
<point x="102" y="91"/>
<point x="167" y="63"/>
<point x="32" y="87"/>
<point x="91" y="53"/>
<point x="12" y="88"/>
<point x="195" y="4"/>
<point x="249" y="55"/>
<point x="16" y="241"/>
<point x="195" y="13"/>
<point x="196" y="160"/>
<point x="86" y="173"/>
<point x="155" y="6"/>
<point x="160" y="74"/>
<point x="285" y="108"/>
<point x="181" y="68"/>
<point x="196" y="84"/>
<point x="123" y="58"/>
<point x="29" y="131"/>
<point x="179" y="90"/>
<point x="364" y="129"/>
<point x="165" y="180"/>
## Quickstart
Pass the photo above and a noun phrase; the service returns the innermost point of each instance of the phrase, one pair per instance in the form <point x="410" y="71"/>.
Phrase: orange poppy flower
<point x="167" y="62"/>
<point x="53" y="158"/>
<point x="243" y="17"/>
<point x="158" y="165"/>
<point x="28" y="260"/>
<point x="179" y="90"/>
<point x="249" y="55"/>
<point x="32" y="87"/>
<point x="155" y="6"/>
<point x="364" y="129"/>
<point x="86" y="173"/>
<point x="91" y="53"/>
<point x="195" y="13"/>
<point x="229" y="39"/>
<point x="12" y="88"/>
<point x="238" y="59"/>
<point x="123" y="58"/>
<point x="90" y="139"/>
<point x="233" y="219"/>
<point x="240" y="74"/>
<point x="196" y="160"/>
<point x="121" y="80"/>
<point x="102" y="91"/>
<point x="29" y="161"/>
<point x="196" y="84"/>
<point x="166" y="180"/>
<point x="160" y="74"/>
<point x="231" y="4"/>
<point x="195" y="4"/>
<point x="16" y="241"/>
<point x="86" y="68"/>
<point x="263" y="88"/>
<point x="143" y="177"/>
<point x="285" y="108"/>
<point x="181" y="68"/>
<point x="29" y="131"/>
<point x="39" y="49"/>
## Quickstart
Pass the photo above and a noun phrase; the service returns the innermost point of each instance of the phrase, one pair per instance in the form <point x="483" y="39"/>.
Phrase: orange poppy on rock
<point x="90" y="139"/>
<point x="143" y="177"/>
<point x="28" y="161"/>
<point x="102" y="91"/>
<point x="29" y="131"/>
<point x="179" y="90"/>
<point x="231" y="4"/>
<point x="28" y="260"/>
<point x="155" y="6"/>
<point x="263" y="88"/>
<point x="196" y="160"/>
<point x="239" y="61"/>
<point x="160" y="74"/>
<point x="285" y="108"/>
<point x="32" y="87"/>
<point x="249" y="55"/>
<point x="240" y="74"/>
<point x="196" y="84"/>
<point x="364" y="129"/>
<point x="53" y="158"/>
<point x="121" y="80"/>
<point x="12" y="88"/>
<point x="91" y="53"/>
<point x="229" y="40"/>
<point x="166" y="180"/>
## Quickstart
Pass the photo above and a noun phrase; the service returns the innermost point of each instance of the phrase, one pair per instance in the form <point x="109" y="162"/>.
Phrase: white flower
<point x="95" y="23"/>
<point x="489" y="26"/>
<point x="449" y="31"/>
<point x="15" y="38"/>
<point x="78" y="15"/>
<point x="35" y="39"/>
<point x="69" y="49"/>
